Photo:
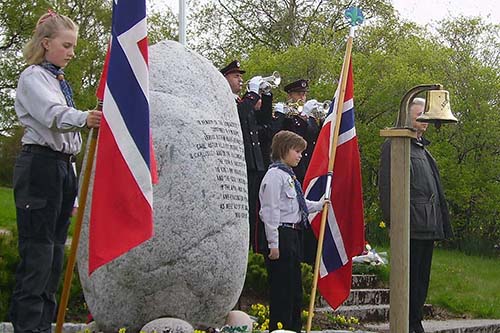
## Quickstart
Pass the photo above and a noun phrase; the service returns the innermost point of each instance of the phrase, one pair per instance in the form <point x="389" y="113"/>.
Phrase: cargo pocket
<point x="30" y="217"/>
<point x="423" y="216"/>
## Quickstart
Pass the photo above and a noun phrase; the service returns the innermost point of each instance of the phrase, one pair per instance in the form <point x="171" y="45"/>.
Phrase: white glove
<point x="254" y="84"/>
<point x="279" y="107"/>
<point x="309" y="107"/>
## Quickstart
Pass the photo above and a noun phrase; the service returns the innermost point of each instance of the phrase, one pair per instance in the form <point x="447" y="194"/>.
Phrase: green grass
<point x="465" y="284"/>
<point x="7" y="208"/>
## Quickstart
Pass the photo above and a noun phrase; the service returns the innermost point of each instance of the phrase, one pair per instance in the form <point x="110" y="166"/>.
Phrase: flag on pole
<point x="344" y="230"/>
<point x="121" y="214"/>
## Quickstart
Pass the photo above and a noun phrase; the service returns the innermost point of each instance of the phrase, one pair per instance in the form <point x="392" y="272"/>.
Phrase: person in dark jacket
<point x="429" y="216"/>
<point x="301" y="123"/>
<point x="255" y="114"/>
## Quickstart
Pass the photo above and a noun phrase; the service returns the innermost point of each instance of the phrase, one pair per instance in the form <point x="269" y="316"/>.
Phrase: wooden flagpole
<point x="82" y="202"/>
<point x="331" y="163"/>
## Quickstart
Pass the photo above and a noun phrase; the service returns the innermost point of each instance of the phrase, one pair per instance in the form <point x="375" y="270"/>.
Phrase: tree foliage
<point x="306" y="38"/>
<point x="17" y="21"/>
<point x="224" y="28"/>
<point x="390" y="56"/>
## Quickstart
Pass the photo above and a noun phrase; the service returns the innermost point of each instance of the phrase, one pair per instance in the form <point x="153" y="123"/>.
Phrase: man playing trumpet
<point x="297" y="116"/>
<point x="290" y="116"/>
<point x="255" y="113"/>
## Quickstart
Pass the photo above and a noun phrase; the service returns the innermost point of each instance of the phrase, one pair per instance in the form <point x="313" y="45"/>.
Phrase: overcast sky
<point x="422" y="11"/>
<point x="427" y="11"/>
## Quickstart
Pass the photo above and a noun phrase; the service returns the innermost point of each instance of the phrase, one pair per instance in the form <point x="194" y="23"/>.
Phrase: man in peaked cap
<point x="297" y="122"/>
<point x="255" y="114"/>
<point x="301" y="124"/>
<point x="233" y="74"/>
<point x="297" y="90"/>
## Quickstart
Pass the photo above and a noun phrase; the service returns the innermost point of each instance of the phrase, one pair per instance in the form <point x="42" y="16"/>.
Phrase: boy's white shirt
<point x="279" y="204"/>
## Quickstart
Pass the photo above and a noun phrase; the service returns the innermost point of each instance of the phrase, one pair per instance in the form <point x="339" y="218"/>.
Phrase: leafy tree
<point x="226" y="28"/>
<point x="470" y="151"/>
<point x="17" y="20"/>
<point x="390" y="56"/>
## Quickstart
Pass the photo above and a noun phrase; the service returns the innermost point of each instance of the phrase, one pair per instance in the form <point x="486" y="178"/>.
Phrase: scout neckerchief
<point x="298" y="189"/>
<point x="65" y="87"/>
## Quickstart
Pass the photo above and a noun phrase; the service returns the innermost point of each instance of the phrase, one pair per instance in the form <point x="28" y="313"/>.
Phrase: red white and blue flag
<point x="122" y="201"/>
<point x="344" y="230"/>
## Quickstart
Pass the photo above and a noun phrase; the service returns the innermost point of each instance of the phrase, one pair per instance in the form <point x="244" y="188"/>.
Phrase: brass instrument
<point x="270" y="82"/>
<point x="288" y="109"/>
<point x="294" y="108"/>
<point x="317" y="110"/>
<point x="267" y="83"/>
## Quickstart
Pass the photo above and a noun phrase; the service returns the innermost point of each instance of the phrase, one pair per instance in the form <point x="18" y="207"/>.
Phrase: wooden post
<point x="400" y="227"/>
<point x="82" y="202"/>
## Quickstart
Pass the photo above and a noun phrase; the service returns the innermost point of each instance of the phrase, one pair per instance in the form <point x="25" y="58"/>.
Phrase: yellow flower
<point x="381" y="225"/>
<point x="122" y="330"/>
<point x="280" y="325"/>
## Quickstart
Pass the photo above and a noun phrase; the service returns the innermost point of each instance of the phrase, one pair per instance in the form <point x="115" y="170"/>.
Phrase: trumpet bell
<point x="437" y="108"/>
<point x="270" y="82"/>
<point x="294" y="108"/>
<point x="276" y="78"/>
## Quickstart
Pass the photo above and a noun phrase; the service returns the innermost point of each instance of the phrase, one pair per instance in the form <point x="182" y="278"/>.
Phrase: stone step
<point x="67" y="328"/>
<point x="367" y="313"/>
<point x="365" y="281"/>
<point x="363" y="297"/>
<point x="449" y="326"/>
<point x="430" y="326"/>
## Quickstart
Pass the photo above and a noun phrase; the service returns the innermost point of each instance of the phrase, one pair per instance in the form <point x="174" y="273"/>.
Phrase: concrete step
<point x="363" y="296"/>
<point x="367" y="281"/>
<point x="449" y="326"/>
<point x="367" y="313"/>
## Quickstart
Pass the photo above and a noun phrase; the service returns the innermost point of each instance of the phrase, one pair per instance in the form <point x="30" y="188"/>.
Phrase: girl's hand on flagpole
<point x="94" y="119"/>
<point x="274" y="254"/>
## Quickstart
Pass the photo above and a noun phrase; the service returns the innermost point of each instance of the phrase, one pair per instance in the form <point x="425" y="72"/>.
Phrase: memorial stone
<point x="194" y="266"/>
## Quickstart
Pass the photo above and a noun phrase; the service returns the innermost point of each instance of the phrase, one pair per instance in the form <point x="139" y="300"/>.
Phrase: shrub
<point x="256" y="278"/>
<point x="9" y="258"/>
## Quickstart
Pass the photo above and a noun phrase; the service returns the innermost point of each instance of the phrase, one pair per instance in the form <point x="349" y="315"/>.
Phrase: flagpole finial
<point x="354" y="15"/>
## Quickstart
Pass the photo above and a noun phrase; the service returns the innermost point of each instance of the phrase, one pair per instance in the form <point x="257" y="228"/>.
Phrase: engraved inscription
<point x="222" y="140"/>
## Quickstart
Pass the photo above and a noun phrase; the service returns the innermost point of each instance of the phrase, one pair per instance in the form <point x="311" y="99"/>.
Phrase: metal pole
<point x="182" y="22"/>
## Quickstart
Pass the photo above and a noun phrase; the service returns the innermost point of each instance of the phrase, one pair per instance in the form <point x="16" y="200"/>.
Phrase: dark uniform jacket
<point x="429" y="216"/>
<point x="256" y="130"/>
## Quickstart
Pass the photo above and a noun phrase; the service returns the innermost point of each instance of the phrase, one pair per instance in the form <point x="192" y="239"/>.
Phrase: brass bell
<point x="437" y="108"/>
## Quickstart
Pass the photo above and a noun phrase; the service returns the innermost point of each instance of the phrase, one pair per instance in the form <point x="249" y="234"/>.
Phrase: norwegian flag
<point x="122" y="200"/>
<point x="344" y="230"/>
